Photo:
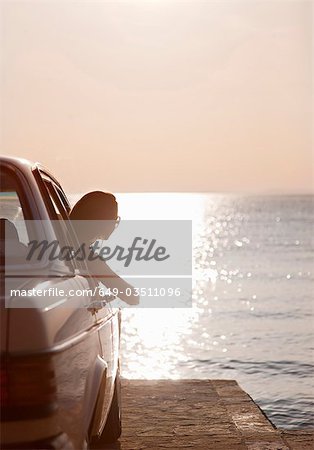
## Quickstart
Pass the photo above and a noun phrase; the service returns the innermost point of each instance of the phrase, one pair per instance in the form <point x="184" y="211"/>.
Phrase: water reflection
<point x="154" y="341"/>
<point x="252" y="312"/>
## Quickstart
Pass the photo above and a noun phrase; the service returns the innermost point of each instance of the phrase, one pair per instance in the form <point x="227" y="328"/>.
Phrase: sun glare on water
<point x="153" y="341"/>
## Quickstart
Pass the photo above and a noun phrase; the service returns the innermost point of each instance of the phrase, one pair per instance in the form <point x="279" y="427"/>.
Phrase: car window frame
<point x="47" y="185"/>
<point x="80" y="268"/>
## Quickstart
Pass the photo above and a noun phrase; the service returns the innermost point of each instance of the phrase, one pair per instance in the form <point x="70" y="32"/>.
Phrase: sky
<point x="160" y="95"/>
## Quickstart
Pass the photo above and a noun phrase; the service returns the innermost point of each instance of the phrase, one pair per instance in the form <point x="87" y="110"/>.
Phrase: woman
<point x="99" y="210"/>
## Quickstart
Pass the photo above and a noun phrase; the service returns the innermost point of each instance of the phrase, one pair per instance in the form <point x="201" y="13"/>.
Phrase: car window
<point x="12" y="207"/>
<point x="19" y="229"/>
<point x="64" y="230"/>
<point x="58" y="209"/>
<point x="63" y="207"/>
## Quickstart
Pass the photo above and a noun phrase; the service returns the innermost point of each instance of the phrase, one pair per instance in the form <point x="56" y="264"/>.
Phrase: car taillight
<point x="27" y="387"/>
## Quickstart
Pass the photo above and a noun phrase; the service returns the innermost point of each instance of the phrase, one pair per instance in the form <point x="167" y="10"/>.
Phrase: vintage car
<point x="59" y="362"/>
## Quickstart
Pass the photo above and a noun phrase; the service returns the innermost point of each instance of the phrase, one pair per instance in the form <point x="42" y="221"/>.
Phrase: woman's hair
<point x="95" y="205"/>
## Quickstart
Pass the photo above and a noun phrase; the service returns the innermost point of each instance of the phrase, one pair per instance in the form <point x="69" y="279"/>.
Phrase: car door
<point x="103" y="317"/>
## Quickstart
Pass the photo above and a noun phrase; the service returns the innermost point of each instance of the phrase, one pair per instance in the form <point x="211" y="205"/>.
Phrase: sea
<point x="252" y="313"/>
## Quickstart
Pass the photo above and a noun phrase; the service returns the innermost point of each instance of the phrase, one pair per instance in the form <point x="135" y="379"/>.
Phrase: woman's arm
<point x="112" y="281"/>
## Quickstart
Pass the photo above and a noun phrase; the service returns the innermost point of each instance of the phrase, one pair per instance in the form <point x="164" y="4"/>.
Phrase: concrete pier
<point x="199" y="414"/>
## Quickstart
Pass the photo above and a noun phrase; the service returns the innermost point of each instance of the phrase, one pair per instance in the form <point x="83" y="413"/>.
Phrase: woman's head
<point x="96" y="206"/>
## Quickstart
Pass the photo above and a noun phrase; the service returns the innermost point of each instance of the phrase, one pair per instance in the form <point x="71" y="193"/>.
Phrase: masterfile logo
<point x="153" y="257"/>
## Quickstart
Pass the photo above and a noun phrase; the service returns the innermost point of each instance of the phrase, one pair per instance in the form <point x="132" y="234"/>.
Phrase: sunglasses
<point x="117" y="222"/>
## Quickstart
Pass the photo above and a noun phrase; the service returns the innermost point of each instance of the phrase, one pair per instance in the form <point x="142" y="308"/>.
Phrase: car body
<point x="59" y="363"/>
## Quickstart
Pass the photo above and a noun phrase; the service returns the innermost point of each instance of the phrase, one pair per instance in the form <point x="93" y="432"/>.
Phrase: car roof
<point x="20" y="163"/>
<point x="25" y="166"/>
